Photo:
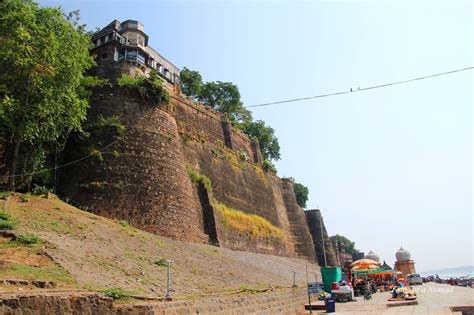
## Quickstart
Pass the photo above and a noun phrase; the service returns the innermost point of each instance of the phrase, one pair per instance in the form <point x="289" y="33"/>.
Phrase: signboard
<point x="315" y="288"/>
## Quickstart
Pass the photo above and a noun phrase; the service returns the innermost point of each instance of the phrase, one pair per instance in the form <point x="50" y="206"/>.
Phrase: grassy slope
<point x="93" y="252"/>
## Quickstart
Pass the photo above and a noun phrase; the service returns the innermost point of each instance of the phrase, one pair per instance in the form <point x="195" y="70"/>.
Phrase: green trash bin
<point x="330" y="275"/>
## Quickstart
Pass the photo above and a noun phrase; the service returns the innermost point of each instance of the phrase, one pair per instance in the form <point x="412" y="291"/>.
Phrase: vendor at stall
<point x="343" y="290"/>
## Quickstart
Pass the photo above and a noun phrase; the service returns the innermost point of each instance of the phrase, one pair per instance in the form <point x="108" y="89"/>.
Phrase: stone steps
<point x="80" y="302"/>
<point x="276" y="302"/>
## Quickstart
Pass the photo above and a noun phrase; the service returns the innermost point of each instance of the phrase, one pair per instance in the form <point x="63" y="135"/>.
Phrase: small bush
<point x="7" y="225"/>
<point x="98" y="154"/>
<point x="119" y="185"/>
<point x="110" y="122"/>
<point x="243" y="155"/>
<point x="150" y="88"/>
<point x="24" y="198"/>
<point x="4" y="194"/>
<point x="127" y="80"/>
<point x="4" y="216"/>
<point x="94" y="185"/>
<point x="269" y="167"/>
<point x="185" y="138"/>
<point x="199" y="178"/>
<point x="40" y="190"/>
<point x="213" y="242"/>
<point x="161" y="263"/>
<point x="217" y="152"/>
<point x="7" y="222"/>
<point x="116" y="293"/>
<point x="28" y="239"/>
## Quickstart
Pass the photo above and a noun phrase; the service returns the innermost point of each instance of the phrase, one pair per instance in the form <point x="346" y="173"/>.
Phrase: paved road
<point x="432" y="299"/>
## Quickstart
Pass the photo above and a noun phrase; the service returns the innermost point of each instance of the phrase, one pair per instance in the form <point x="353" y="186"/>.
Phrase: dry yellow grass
<point x="250" y="224"/>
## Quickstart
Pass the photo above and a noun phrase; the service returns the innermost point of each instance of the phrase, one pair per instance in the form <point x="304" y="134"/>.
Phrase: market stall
<point x="363" y="284"/>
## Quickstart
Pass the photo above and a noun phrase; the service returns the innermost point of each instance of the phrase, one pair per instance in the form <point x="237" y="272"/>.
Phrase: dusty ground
<point x="433" y="298"/>
<point x="100" y="253"/>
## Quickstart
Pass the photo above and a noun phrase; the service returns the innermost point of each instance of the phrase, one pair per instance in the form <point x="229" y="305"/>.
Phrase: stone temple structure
<point x="404" y="264"/>
<point x="373" y="256"/>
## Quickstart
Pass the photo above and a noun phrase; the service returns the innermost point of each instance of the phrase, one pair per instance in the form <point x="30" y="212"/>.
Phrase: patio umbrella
<point x="365" y="264"/>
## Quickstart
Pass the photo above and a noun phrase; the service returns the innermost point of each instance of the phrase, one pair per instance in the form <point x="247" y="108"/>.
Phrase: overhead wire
<point x="96" y="152"/>
<point x="361" y="89"/>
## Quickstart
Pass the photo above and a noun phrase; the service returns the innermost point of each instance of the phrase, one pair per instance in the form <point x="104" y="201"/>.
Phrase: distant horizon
<point x="445" y="269"/>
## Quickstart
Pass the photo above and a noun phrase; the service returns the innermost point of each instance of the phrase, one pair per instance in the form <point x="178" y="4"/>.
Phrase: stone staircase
<point x="288" y="301"/>
<point x="283" y="301"/>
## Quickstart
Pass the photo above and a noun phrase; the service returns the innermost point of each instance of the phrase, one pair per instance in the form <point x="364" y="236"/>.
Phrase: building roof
<point x="386" y="266"/>
<point x="373" y="256"/>
<point x="402" y="254"/>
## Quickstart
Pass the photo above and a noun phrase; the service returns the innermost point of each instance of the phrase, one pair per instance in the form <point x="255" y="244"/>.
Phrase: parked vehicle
<point x="414" y="279"/>
<point x="464" y="281"/>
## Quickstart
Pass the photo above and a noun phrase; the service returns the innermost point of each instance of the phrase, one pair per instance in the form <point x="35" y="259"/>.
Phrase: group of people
<point x="358" y="287"/>
<point x="363" y="285"/>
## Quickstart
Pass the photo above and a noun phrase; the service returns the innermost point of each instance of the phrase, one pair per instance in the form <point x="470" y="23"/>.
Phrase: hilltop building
<point x="127" y="42"/>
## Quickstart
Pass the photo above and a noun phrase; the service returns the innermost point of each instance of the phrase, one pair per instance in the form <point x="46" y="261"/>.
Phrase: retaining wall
<point x="286" y="302"/>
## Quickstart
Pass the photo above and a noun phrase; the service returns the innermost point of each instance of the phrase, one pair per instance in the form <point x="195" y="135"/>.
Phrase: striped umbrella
<point x="365" y="264"/>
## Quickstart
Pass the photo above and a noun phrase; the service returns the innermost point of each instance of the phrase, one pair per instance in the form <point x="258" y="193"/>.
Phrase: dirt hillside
<point x="78" y="249"/>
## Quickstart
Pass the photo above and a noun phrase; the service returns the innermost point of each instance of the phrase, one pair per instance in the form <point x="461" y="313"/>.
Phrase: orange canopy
<point x="365" y="264"/>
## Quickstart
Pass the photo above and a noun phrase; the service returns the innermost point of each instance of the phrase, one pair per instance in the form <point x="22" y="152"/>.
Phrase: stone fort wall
<point x="143" y="176"/>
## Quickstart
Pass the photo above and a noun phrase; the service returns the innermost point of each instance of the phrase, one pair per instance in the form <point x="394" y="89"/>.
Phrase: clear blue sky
<point x="387" y="167"/>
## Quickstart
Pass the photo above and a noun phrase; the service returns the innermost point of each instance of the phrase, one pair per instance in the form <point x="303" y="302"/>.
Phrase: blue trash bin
<point x="330" y="305"/>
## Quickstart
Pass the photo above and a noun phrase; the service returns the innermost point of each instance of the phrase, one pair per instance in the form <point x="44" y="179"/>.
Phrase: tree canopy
<point x="191" y="82"/>
<point x="301" y="192"/>
<point x="265" y="135"/>
<point x="347" y="245"/>
<point x="43" y="87"/>
<point x="225" y="97"/>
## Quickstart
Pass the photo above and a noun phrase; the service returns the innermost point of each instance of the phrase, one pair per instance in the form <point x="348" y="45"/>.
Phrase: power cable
<point x="96" y="152"/>
<point x="361" y="89"/>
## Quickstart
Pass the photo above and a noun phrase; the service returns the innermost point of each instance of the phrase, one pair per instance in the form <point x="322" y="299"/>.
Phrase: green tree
<point x="265" y="135"/>
<point x="301" y="192"/>
<point x="225" y="98"/>
<point x="191" y="82"/>
<point x="43" y="88"/>
<point x="150" y="87"/>
<point x="345" y="243"/>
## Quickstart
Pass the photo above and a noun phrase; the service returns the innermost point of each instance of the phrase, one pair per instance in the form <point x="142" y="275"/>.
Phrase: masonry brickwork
<point x="142" y="177"/>
<point x="325" y="253"/>
<point x="288" y="301"/>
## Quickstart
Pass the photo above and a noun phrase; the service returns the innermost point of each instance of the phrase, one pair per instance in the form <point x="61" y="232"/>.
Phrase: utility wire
<point x="96" y="152"/>
<point x="258" y="105"/>
<point x="362" y="89"/>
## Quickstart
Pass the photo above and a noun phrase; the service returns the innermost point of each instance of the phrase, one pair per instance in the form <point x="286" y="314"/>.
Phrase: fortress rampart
<point x="325" y="253"/>
<point x="144" y="176"/>
<point x="179" y="169"/>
